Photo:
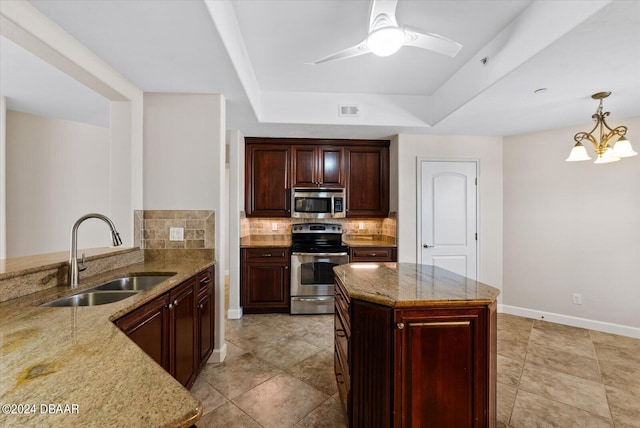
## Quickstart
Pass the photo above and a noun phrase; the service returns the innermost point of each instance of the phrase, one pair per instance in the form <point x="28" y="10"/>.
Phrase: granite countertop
<point x="369" y="241"/>
<point x="77" y="356"/>
<point x="406" y="285"/>
<point x="254" y="241"/>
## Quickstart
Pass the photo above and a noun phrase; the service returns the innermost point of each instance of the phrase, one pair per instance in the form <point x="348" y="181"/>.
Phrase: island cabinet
<point x="314" y="166"/>
<point x="265" y="280"/>
<point x="267" y="187"/>
<point x="176" y="328"/>
<point x="415" y="347"/>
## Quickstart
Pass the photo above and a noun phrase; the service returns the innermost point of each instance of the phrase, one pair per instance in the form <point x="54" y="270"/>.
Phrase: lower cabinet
<point x="415" y="367"/>
<point x="373" y="254"/>
<point x="176" y="328"/>
<point x="264" y="280"/>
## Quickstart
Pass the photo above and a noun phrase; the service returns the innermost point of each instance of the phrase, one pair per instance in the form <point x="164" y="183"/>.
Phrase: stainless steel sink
<point x="134" y="282"/>
<point x="91" y="298"/>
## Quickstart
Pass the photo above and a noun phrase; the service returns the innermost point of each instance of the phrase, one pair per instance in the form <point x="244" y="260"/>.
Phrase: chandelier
<point x="605" y="152"/>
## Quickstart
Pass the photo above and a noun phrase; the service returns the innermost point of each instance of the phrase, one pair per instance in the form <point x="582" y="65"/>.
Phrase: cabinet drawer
<point x="205" y="280"/>
<point x="373" y="254"/>
<point x="342" y="307"/>
<point x="266" y="254"/>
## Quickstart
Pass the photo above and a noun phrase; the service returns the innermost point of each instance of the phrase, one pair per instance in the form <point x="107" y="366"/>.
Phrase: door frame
<point x="419" y="161"/>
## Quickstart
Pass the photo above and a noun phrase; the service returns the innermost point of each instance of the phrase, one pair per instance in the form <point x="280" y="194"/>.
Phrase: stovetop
<point x="317" y="238"/>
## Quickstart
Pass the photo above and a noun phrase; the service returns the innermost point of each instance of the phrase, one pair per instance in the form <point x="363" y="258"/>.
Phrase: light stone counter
<point x="369" y="241"/>
<point x="77" y="356"/>
<point x="254" y="241"/>
<point x="405" y="285"/>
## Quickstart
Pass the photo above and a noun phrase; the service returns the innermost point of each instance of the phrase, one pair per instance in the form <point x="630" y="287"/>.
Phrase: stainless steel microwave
<point x="318" y="202"/>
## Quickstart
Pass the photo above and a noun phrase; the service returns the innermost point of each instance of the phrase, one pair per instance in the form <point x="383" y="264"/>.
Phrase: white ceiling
<point x="254" y="52"/>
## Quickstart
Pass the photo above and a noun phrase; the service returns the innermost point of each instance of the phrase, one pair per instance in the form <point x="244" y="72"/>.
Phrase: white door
<point x="447" y="212"/>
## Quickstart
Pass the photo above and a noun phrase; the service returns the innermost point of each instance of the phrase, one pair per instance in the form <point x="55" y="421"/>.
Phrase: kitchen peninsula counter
<point x="77" y="357"/>
<point x="423" y="338"/>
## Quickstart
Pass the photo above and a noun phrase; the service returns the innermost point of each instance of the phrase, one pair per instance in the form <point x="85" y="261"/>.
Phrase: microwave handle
<point x="333" y="206"/>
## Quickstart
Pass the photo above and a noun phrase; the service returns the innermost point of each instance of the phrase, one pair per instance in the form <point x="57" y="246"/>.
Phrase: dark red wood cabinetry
<point x="267" y="187"/>
<point x="176" y="328"/>
<point x="415" y="367"/>
<point x="273" y="166"/>
<point x="265" y="280"/>
<point x="373" y="254"/>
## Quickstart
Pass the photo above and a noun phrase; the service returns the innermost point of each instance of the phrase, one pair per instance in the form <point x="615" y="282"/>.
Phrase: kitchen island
<point x="415" y="345"/>
<point x="72" y="366"/>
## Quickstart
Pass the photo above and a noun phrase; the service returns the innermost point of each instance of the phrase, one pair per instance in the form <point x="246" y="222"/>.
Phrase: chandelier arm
<point x="587" y="136"/>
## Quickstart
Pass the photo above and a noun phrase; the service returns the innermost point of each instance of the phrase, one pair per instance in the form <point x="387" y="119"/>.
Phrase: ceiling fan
<point x="386" y="37"/>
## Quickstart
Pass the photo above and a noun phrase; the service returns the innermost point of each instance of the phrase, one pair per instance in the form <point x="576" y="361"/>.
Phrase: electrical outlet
<point x="577" y="299"/>
<point x="361" y="225"/>
<point x="274" y="226"/>
<point x="176" y="234"/>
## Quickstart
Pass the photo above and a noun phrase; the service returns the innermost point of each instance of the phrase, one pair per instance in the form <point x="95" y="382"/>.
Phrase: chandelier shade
<point x="605" y="152"/>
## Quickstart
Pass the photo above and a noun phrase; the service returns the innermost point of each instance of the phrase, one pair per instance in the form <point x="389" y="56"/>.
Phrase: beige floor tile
<point x="327" y="415"/>
<point x="506" y="396"/>
<point x="280" y="402"/>
<point x="571" y="390"/>
<point x="227" y="416"/>
<point x="208" y="396"/>
<point x="531" y="410"/>
<point x="286" y="351"/>
<point x="317" y="371"/>
<point x="514" y="328"/>
<point x="232" y="378"/>
<point x="255" y="336"/>
<point x="509" y="371"/>
<point x="615" y="341"/>
<point x="618" y="373"/>
<point x="625" y="407"/>
<point x="564" y="362"/>
<point x="562" y="338"/>
<point x="513" y="349"/>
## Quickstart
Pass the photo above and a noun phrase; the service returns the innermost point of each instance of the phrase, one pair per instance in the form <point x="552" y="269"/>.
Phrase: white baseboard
<point x="218" y="355"/>
<point x="234" y="314"/>
<point x="607" y="327"/>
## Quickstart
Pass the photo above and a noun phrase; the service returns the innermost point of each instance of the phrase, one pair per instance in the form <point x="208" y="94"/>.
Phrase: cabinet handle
<point x="344" y="334"/>
<point x="266" y="255"/>
<point x="286" y="267"/>
<point x="170" y="306"/>
<point x="372" y="254"/>
<point x="175" y="302"/>
<point x="205" y="281"/>
<point x="400" y="325"/>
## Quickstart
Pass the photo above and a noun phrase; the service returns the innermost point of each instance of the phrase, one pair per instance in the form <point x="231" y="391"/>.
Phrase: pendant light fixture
<point x="604" y="152"/>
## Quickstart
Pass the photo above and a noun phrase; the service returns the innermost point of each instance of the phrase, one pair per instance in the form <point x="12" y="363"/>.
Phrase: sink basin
<point x="91" y="298"/>
<point x="133" y="283"/>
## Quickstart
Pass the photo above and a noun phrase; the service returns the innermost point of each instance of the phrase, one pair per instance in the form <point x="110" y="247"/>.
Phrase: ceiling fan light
<point x="623" y="149"/>
<point x="386" y="41"/>
<point x="607" y="157"/>
<point x="578" y="153"/>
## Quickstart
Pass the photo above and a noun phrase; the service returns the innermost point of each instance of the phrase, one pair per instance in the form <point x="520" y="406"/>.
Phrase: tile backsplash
<point x="152" y="227"/>
<point x="370" y="226"/>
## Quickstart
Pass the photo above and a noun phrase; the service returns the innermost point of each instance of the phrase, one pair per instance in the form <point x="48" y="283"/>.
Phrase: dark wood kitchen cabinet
<point x="176" y="328"/>
<point x="373" y="254"/>
<point x="416" y="366"/>
<point x="265" y="280"/>
<point x="367" y="172"/>
<point x="267" y="187"/>
<point x="315" y="166"/>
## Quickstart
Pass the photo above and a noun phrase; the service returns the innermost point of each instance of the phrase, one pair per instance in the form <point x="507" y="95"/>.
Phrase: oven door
<point x="312" y="273"/>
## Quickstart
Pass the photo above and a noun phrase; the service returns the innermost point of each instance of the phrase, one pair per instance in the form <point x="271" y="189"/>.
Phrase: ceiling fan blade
<point x="432" y="42"/>
<point x="383" y="14"/>
<point x="359" y="49"/>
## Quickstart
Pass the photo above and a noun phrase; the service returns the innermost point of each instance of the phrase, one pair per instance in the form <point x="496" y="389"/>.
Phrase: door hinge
<point x="476" y="236"/>
<point x="476" y="180"/>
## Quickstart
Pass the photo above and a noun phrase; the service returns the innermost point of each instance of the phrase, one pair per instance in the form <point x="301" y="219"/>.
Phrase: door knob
<point x="428" y="246"/>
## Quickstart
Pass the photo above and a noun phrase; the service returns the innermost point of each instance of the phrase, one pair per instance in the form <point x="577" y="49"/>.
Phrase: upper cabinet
<point x="317" y="166"/>
<point x="367" y="170"/>
<point x="273" y="166"/>
<point x="267" y="189"/>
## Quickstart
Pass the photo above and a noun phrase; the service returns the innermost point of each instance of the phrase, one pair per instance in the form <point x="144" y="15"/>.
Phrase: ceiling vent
<point x="348" y="111"/>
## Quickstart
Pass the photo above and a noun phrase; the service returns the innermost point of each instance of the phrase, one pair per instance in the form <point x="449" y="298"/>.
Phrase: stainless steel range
<point x="316" y="248"/>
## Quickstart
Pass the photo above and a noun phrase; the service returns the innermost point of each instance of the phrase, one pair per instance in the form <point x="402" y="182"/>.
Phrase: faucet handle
<point x="82" y="266"/>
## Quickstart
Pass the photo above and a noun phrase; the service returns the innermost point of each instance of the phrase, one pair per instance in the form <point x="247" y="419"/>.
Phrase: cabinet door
<point x="265" y="278"/>
<point x="367" y="181"/>
<point x="148" y="327"/>
<point x="443" y="368"/>
<point x="331" y="166"/>
<point x="205" y="326"/>
<point x="304" y="166"/>
<point x="373" y="254"/>
<point x="267" y="181"/>
<point x="183" y="337"/>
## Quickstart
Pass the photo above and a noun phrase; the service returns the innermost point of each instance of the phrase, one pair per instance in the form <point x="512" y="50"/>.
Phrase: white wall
<point x="488" y="151"/>
<point x="572" y="228"/>
<point x="57" y="170"/>
<point x="184" y="169"/>
<point x="3" y="177"/>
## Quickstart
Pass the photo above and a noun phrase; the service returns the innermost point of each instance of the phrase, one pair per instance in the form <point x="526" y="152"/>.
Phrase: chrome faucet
<point x="74" y="269"/>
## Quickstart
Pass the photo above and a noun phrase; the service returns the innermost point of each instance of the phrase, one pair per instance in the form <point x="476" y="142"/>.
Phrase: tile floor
<point x="279" y="373"/>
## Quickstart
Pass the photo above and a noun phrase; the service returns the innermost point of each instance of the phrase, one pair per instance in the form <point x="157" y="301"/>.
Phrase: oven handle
<point x="320" y="254"/>
<point x="306" y="299"/>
